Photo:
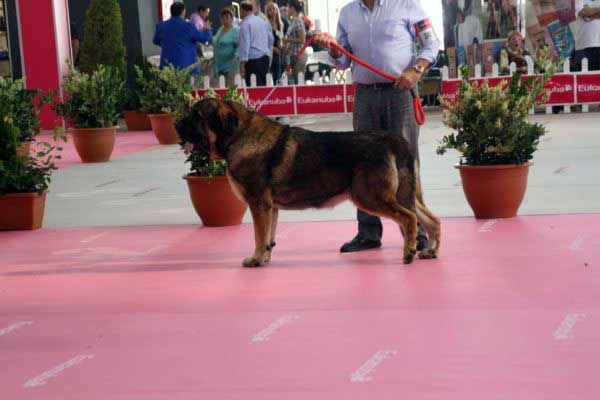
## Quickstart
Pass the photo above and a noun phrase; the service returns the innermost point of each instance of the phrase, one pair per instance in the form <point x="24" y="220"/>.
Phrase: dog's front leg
<point x="274" y="218"/>
<point x="262" y="217"/>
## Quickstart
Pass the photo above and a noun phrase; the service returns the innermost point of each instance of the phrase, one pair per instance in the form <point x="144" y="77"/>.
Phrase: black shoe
<point x="359" y="244"/>
<point x="422" y="242"/>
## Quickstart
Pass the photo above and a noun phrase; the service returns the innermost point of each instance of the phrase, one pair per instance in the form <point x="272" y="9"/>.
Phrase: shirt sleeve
<point x="197" y="21"/>
<point x="200" y="36"/>
<point x="244" y="45"/>
<point x="429" y="49"/>
<point x="270" y="37"/>
<point x="157" y="37"/>
<point x="343" y="62"/>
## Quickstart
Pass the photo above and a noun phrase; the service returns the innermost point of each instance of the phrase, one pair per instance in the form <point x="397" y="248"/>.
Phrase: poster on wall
<point x="164" y="9"/>
<point x="550" y="23"/>
<point x="476" y="30"/>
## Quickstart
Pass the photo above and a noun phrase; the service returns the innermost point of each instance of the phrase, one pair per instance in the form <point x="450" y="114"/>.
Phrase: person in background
<point x="285" y="57"/>
<point x="177" y="39"/>
<point x="75" y="45"/>
<point x="283" y="10"/>
<point x="272" y="11"/>
<point x="378" y="103"/>
<point x="201" y="22"/>
<point x="225" y="44"/>
<point x="296" y="38"/>
<point x="200" y="18"/>
<point x="514" y="52"/>
<point x="257" y="11"/>
<point x="256" y="44"/>
<point x="587" y="38"/>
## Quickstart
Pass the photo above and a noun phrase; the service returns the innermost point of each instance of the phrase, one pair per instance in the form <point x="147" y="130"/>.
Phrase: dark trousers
<point x="276" y="67"/>
<point x="384" y="108"/>
<point x="258" y="67"/>
<point x="593" y="56"/>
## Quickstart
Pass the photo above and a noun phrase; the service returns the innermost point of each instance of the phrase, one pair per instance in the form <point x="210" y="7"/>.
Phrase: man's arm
<point x="270" y="38"/>
<point x="243" y="46"/>
<point x="324" y="39"/>
<point x="589" y="12"/>
<point x="157" y="35"/>
<point x="421" y="29"/>
<point x="203" y="36"/>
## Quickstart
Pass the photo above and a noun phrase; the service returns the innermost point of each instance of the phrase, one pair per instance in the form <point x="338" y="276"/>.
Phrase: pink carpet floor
<point x="511" y="310"/>
<point x="126" y="143"/>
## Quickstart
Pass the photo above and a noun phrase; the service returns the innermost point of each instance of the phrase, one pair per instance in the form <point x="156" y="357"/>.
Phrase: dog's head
<point x="208" y="124"/>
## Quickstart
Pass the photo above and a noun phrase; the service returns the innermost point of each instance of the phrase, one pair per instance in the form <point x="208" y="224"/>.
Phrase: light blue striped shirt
<point x="256" y="39"/>
<point x="384" y="38"/>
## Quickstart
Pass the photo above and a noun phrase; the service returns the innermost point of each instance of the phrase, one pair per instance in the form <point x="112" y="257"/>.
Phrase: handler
<point x="383" y="33"/>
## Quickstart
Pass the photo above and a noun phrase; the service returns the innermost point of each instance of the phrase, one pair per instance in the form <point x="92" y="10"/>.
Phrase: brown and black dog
<point x="274" y="166"/>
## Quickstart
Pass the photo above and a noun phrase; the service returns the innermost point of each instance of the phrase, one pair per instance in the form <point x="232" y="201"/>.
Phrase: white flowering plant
<point x="492" y="123"/>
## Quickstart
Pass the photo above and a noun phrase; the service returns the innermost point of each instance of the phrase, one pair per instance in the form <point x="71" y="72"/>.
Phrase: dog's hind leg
<point x="262" y="216"/>
<point x="384" y="202"/>
<point x="428" y="220"/>
<point x="433" y="227"/>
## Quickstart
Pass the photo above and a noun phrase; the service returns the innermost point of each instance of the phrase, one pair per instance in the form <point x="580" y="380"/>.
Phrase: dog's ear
<point x="229" y="117"/>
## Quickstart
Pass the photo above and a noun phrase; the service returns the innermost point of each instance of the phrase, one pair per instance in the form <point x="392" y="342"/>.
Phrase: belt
<point x="376" y="85"/>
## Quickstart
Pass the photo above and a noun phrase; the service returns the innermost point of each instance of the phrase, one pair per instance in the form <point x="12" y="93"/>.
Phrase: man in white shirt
<point x="587" y="39"/>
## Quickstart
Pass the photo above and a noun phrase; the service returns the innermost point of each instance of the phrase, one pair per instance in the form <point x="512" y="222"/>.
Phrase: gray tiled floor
<point x="146" y="188"/>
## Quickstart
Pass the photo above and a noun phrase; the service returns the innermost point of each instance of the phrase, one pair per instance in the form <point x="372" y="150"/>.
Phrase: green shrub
<point x="103" y="37"/>
<point x="492" y="124"/>
<point x="90" y="101"/>
<point x="24" y="106"/>
<point x="24" y="174"/>
<point x="165" y="90"/>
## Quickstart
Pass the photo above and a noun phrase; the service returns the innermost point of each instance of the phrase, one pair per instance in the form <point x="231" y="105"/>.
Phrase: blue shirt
<point x="177" y="39"/>
<point x="256" y="39"/>
<point x="384" y="38"/>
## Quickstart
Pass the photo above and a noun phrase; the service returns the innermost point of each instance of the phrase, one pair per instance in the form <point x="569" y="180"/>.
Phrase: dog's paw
<point x="252" y="262"/>
<point x="409" y="256"/>
<point x="428" y="254"/>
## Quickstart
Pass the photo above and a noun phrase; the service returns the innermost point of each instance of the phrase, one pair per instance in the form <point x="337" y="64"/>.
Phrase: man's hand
<point x="207" y="25"/>
<point x="408" y="79"/>
<point x="243" y="69"/>
<point x="325" y="39"/>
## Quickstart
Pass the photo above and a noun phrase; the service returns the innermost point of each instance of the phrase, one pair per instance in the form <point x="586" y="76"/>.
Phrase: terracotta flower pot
<point x="215" y="202"/>
<point x="494" y="191"/>
<point x="94" y="144"/>
<point x="22" y="211"/>
<point x="137" y="121"/>
<point x="25" y="148"/>
<point x="163" y="126"/>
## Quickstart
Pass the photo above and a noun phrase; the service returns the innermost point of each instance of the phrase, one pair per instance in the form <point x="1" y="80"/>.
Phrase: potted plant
<point x="495" y="139"/>
<point x="165" y="93"/>
<point x="90" y="102"/>
<point x="24" y="180"/>
<point x="212" y="195"/>
<point x="24" y="106"/>
<point x="135" y="119"/>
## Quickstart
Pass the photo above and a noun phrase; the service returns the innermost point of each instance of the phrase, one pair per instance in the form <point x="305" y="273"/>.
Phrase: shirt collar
<point x="377" y="2"/>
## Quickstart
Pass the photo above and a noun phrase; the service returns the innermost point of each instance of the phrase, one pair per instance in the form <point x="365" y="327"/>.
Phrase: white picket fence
<point x="566" y="71"/>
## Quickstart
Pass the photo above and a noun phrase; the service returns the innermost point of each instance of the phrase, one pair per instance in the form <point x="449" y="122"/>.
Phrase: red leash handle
<point x="418" y="107"/>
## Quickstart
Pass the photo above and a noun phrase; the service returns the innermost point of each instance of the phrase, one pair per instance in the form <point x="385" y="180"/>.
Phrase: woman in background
<point x="296" y="37"/>
<point x="513" y="52"/>
<point x="272" y="11"/>
<point x="225" y="44"/>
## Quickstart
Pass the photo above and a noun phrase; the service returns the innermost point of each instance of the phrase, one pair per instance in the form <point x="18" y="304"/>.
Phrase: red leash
<point x="418" y="107"/>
